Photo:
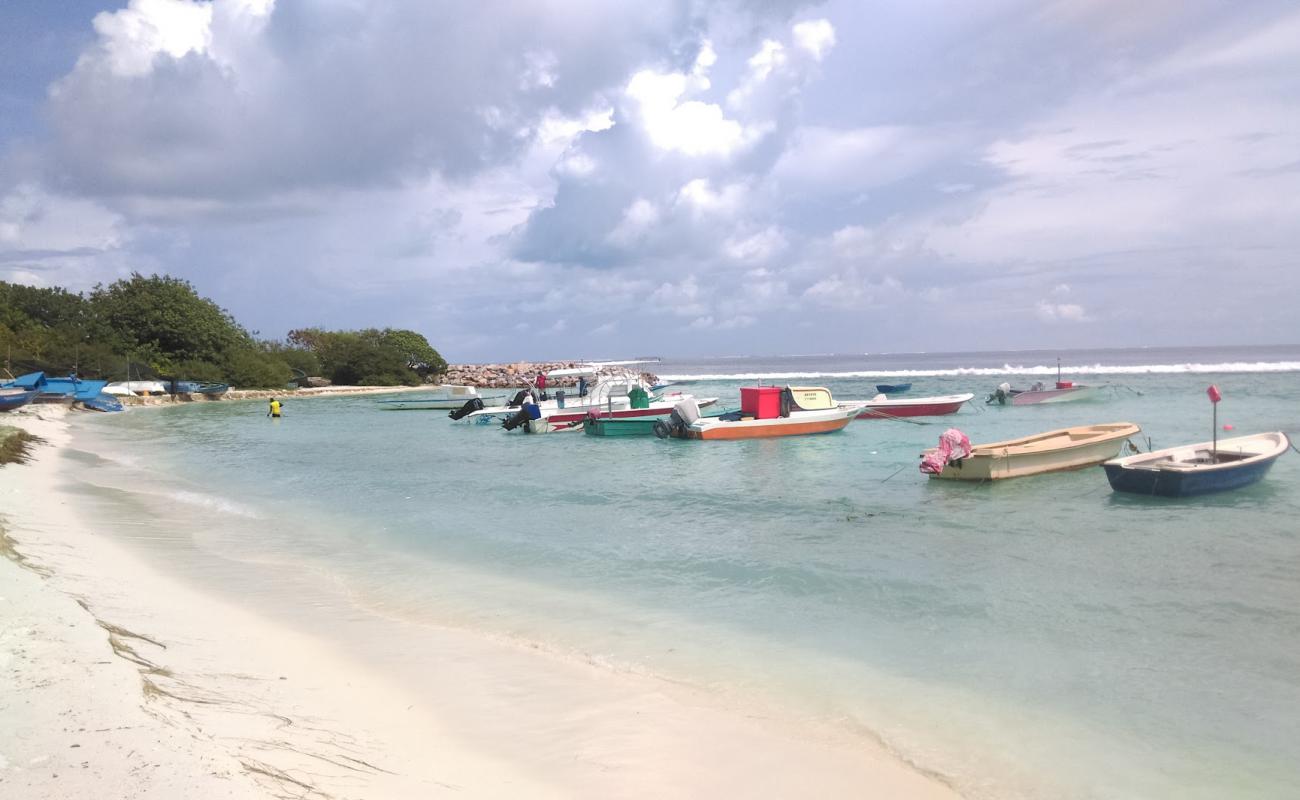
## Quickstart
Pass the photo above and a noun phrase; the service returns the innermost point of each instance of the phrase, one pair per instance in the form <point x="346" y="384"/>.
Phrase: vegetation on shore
<point x="16" y="444"/>
<point x="162" y="328"/>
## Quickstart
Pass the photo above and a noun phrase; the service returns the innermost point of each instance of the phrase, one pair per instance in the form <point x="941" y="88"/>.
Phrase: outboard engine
<point x="1001" y="396"/>
<point x="683" y="414"/>
<point x="518" y="399"/>
<point x="471" y="405"/>
<point x="526" y="413"/>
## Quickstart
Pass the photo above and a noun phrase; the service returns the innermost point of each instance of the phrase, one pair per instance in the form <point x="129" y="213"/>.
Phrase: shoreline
<point x="490" y="719"/>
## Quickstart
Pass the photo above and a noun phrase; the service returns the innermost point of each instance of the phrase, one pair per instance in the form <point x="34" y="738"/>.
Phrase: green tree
<point x="416" y="350"/>
<point x="164" y="320"/>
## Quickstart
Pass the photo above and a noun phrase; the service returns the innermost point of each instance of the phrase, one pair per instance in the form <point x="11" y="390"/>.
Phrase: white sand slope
<point x="118" y="681"/>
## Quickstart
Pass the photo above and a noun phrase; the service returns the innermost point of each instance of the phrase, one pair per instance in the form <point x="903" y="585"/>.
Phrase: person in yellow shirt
<point x="274" y="411"/>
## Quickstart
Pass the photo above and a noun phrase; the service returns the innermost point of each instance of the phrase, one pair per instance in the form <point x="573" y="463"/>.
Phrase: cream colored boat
<point x="1068" y="448"/>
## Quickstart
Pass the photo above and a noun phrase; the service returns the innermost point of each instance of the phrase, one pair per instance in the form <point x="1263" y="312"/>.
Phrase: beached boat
<point x="1197" y="468"/>
<point x="883" y="407"/>
<point x="14" y="397"/>
<point x="136" y="388"/>
<point x="893" y="388"/>
<point x="101" y="402"/>
<point x="766" y="411"/>
<point x="441" y="398"/>
<point x="1053" y="451"/>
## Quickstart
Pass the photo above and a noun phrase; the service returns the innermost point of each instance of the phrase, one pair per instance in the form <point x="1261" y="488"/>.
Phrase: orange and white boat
<point x="766" y="411"/>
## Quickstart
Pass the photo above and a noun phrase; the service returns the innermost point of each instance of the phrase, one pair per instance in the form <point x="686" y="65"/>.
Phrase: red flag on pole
<point x="1213" y="392"/>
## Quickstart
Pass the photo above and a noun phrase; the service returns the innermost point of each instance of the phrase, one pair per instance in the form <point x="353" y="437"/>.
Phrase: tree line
<point x="162" y="328"/>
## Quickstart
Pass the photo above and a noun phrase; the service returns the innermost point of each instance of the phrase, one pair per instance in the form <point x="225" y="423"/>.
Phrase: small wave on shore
<point x="1005" y="369"/>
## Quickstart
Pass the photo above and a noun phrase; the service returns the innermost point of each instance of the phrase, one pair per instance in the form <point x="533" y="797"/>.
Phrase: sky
<point x="597" y="179"/>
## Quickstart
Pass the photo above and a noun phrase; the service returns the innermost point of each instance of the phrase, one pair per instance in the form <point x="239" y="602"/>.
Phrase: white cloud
<point x="699" y="196"/>
<point x="1061" y="312"/>
<point x="691" y="127"/>
<point x="638" y="220"/>
<point x="132" y="37"/>
<point x="756" y="248"/>
<point x="816" y="36"/>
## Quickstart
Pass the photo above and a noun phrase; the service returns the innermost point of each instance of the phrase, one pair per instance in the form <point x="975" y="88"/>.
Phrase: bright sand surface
<point x="119" y="679"/>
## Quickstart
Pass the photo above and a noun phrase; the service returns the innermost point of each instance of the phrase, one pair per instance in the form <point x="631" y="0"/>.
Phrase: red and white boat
<point x="883" y="407"/>
<point x="766" y="412"/>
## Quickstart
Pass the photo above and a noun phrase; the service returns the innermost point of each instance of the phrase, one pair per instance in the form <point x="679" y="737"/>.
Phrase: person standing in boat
<point x="582" y="386"/>
<point x="274" y="410"/>
<point x="540" y="382"/>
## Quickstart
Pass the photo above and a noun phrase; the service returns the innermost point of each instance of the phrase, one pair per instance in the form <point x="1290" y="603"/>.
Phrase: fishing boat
<point x="13" y="397"/>
<point x="1197" y="468"/>
<point x="884" y="407"/>
<point x="441" y="399"/>
<point x="603" y="425"/>
<point x="765" y="412"/>
<point x="1039" y="393"/>
<point x="1053" y="451"/>
<point x="612" y="389"/>
<point x="893" y="388"/>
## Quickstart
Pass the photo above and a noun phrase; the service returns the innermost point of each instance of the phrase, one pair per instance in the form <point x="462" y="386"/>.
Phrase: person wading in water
<point x="274" y="410"/>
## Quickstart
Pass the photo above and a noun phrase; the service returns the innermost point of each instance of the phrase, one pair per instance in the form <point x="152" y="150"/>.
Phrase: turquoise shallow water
<point x="1038" y="638"/>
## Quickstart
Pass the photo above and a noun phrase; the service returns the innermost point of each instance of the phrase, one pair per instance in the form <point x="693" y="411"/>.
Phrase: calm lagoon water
<point x="1035" y="638"/>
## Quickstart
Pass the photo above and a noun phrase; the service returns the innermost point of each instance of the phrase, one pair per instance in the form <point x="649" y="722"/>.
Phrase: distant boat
<point x="440" y="398"/>
<point x="893" y="388"/>
<point x="1063" y="392"/>
<point x="883" y="407"/>
<point x="766" y="412"/>
<point x="1197" y="468"/>
<point x="14" y="397"/>
<point x="1064" y="449"/>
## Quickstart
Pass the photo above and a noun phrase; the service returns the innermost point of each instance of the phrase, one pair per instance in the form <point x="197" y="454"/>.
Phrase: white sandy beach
<point x="118" y="680"/>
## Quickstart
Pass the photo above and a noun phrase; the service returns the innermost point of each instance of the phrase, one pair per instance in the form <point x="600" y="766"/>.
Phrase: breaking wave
<point x="1007" y="369"/>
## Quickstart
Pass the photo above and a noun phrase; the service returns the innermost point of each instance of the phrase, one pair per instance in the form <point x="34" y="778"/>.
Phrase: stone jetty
<point x="506" y="376"/>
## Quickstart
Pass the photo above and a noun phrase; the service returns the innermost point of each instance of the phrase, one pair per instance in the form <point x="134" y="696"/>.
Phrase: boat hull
<point x="1030" y="397"/>
<point x="1004" y="460"/>
<point x="799" y="424"/>
<point x="893" y="388"/>
<point x="1177" y="475"/>
<point x="936" y="407"/>
<point x="16" y="398"/>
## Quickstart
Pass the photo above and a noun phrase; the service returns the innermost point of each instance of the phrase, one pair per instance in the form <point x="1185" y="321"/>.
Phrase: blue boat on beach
<point x="15" y="397"/>
<point x="892" y="388"/>
<point x="1197" y="468"/>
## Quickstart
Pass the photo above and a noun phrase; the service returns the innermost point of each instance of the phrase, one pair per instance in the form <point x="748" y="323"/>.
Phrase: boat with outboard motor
<point x="1039" y="393"/>
<point x="1194" y="469"/>
<point x="765" y="412"/>
<point x="441" y="398"/>
<point x="1068" y="448"/>
<point x="884" y="407"/>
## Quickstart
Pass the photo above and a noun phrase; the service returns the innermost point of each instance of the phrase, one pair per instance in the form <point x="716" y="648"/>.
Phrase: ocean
<point x="1037" y="638"/>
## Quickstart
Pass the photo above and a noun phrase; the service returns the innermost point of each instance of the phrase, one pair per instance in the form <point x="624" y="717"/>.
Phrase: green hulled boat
<point x="633" y="426"/>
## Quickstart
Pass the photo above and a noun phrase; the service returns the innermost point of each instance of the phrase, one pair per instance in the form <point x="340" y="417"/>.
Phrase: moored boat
<point x="441" y="398"/>
<point x="884" y="407"/>
<point x="1053" y="451"/>
<point x="1197" y="468"/>
<point x="1062" y="392"/>
<point x="893" y="388"/>
<point x="14" y="397"/>
<point x="604" y="425"/>
<point x="766" y="412"/>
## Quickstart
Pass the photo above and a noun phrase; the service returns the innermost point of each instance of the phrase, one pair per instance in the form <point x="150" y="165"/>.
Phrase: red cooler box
<point x="760" y="402"/>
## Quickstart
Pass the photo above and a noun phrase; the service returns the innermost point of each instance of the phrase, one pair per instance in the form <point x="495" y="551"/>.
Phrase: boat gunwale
<point x="1020" y="446"/>
<point x="1135" y="462"/>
